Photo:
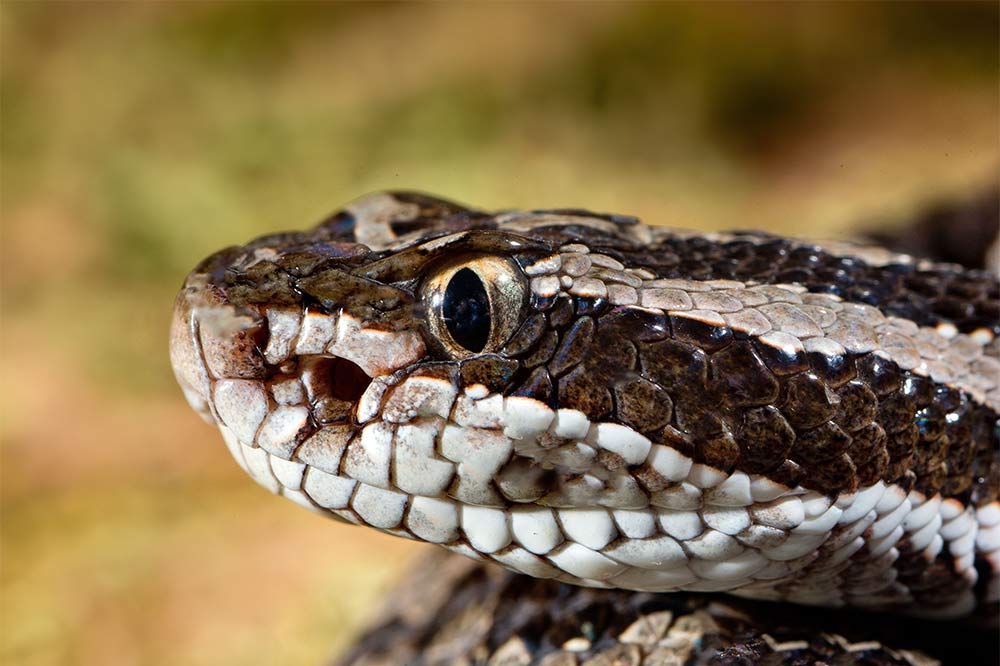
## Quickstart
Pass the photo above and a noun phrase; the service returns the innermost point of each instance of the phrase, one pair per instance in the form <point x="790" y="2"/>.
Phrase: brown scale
<point x="832" y="424"/>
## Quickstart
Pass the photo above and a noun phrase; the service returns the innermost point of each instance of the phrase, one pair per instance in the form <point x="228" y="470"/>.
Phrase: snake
<point x="651" y="445"/>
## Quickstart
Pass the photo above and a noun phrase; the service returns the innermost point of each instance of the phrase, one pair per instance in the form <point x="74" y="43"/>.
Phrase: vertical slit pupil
<point x="466" y="310"/>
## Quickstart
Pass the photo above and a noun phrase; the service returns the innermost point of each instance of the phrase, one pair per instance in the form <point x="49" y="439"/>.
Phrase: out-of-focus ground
<point x="137" y="138"/>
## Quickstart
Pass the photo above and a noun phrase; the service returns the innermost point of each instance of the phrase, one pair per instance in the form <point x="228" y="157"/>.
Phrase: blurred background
<point x="138" y="138"/>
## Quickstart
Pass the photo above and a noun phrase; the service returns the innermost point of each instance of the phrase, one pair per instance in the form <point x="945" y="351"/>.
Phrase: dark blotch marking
<point x="740" y="378"/>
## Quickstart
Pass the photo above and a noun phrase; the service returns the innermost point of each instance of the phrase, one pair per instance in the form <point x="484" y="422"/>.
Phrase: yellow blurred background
<point x="137" y="138"/>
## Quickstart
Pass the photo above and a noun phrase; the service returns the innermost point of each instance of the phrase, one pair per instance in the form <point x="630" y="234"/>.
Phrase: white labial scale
<point x="521" y="560"/>
<point x="370" y="403"/>
<point x="658" y="553"/>
<point x="480" y="452"/>
<point x="734" y="491"/>
<point x="525" y="417"/>
<point x="419" y="396"/>
<point x="535" y="528"/>
<point x="327" y="490"/>
<point x="705" y="476"/>
<point x="315" y="334"/>
<point x="325" y="448"/>
<point x="570" y="424"/>
<point x="378" y="507"/>
<point x="635" y="524"/>
<point x="669" y="463"/>
<point x="242" y="406"/>
<point x="234" y="446"/>
<point x="485" y="528"/>
<point x="374" y="351"/>
<point x="416" y="470"/>
<point x="478" y="412"/>
<point x="728" y="520"/>
<point x="367" y="458"/>
<point x="479" y="455"/>
<point x="592" y="528"/>
<point x="288" y="472"/>
<point x="432" y="519"/>
<point x="583" y="562"/>
<point x="259" y="467"/>
<point x="681" y="525"/>
<point x="280" y="431"/>
<point x="763" y="489"/>
<point x="282" y="326"/>
<point x="630" y="445"/>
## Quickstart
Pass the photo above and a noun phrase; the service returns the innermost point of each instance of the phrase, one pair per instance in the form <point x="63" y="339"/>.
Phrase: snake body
<point x="597" y="403"/>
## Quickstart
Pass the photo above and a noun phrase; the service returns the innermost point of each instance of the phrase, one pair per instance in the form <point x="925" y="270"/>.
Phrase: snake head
<point x="582" y="397"/>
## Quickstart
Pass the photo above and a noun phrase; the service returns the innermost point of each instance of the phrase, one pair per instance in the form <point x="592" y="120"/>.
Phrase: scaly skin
<point x="583" y="398"/>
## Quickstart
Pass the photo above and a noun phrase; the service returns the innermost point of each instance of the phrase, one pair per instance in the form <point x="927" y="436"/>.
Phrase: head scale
<point x="542" y="389"/>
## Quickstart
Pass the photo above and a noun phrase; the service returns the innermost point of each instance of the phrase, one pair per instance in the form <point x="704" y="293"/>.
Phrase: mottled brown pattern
<point x="475" y="614"/>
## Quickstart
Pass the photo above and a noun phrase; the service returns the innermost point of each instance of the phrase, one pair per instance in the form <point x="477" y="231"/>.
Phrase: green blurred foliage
<point x="138" y="138"/>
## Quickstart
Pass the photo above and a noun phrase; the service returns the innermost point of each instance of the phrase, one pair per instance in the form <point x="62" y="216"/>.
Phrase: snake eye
<point x="474" y="304"/>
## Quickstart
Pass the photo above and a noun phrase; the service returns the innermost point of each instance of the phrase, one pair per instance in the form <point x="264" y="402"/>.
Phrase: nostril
<point x="349" y="380"/>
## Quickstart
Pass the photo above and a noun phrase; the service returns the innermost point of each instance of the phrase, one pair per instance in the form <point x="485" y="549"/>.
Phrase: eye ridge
<point x="466" y="310"/>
